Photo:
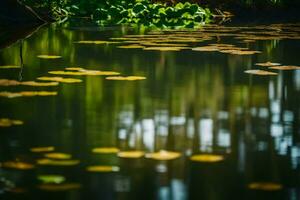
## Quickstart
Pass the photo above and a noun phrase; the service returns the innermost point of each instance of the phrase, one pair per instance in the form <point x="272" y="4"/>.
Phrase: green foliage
<point x="112" y="12"/>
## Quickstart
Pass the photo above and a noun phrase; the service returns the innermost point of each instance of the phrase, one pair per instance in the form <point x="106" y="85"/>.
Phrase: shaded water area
<point x="219" y="133"/>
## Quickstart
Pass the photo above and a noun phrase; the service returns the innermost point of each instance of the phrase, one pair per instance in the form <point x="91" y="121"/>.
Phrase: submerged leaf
<point x="59" y="79"/>
<point x="105" y="150"/>
<point x="265" y="186"/>
<point x="163" y="155"/>
<point x="17" y="165"/>
<point x="131" y="154"/>
<point x="42" y="149"/>
<point x="260" y="72"/>
<point x="5" y="122"/>
<point x="125" y="78"/>
<point x="207" y="158"/>
<point x="102" y="168"/>
<point x="48" y="56"/>
<point x="60" y="156"/>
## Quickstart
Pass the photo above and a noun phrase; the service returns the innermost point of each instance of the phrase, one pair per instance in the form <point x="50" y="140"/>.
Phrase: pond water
<point x="192" y="123"/>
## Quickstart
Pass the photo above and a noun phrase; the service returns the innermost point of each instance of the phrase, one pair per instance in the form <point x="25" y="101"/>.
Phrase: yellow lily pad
<point x="59" y="79"/>
<point x="267" y="64"/>
<point x="10" y="67"/>
<point x="125" y="78"/>
<point x="75" y="68"/>
<point x="17" y="165"/>
<point x="163" y="155"/>
<point x="209" y="158"/>
<point x="27" y="94"/>
<point x="7" y="82"/>
<point x="60" y="156"/>
<point x="244" y="52"/>
<point x="5" y="122"/>
<point x="164" y="48"/>
<point x="51" y="162"/>
<point x="49" y="56"/>
<point x="131" y="154"/>
<point x="206" y="48"/>
<point x="56" y="179"/>
<point x="131" y="47"/>
<point x="95" y="42"/>
<point x="265" y="186"/>
<point x="85" y="72"/>
<point x="260" y="72"/>
<point x="102" y="168"/>
<point x="286" y="67"/>
<point x="105" y="150"/>
<point x="51" y="187"/>
<point x="42" y="149"/>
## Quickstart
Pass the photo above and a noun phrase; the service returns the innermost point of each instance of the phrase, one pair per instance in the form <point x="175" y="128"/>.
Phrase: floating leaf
<point x="42" y="149"/>
<point x="57" y="179"/>
<point x="260" y="72"/>
<point x="59" y="187"/>
<point x="59" y="79"/>
<point x="85" y="72"/>
<point x="237" y="52"/>
<point x="60" y="156"/>
<point x="287" y="67"/>
<point x="265" y="186"/>
<point x="125" y="78"/>
<point x="51" y="162"/>
<point x="10" y="67"/>
<point x="95" y="42"/>
<point x="164" y="48"/>
<point x="6" y="82"/>
<point x="75" y="68"/>
<point x="206" y="48"/>
<point x="102" y="168"/>
<point x="267" y="64"/>
<point x="17" y="165"/>
<point x="131" y="154"/>
<point x="48" y="56"/>
<point x="27" y="94"/>
<point x="163" y="155"/>
<point x="105" y="150"/>
<point x="207" y="158"/>
<point x="5" y="122"/>
<point x="131" y="47"/>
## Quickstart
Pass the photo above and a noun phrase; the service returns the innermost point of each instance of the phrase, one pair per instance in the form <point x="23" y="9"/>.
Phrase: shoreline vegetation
<point x="170" y="13"/>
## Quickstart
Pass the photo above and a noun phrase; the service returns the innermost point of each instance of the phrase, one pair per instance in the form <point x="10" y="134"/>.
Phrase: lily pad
<point x="59" y="79"/>
<point x="56" y="179"/>
<point x="206" y="48"/>
<point x="42" y="149"/>
<point x="286" y="67"/>
<point x="59" y="187"/>
<point x="10" y="67"/>
<point x="209" y="158"/>
<point x="7" y="82"/>
<point x="163" y="155"/>
<point x="60" y="156"/>
<point x="95" y="42"/>
<point x="164" y="48"/>
<point x="48" y="56"/>
<point x="267" y="64"/>
<point x="102" y="168"/>
<point x="131" y="47"/>
<point x="17" y="165"/>
<point x="85" y="72"/>
<point x="5" y="122"/>
<point x="265" y="186"/>
<point x="105" y="150"/>
<point x="131" y="154"/>
<point x="27" y="94"/>
<point x="51" y="162"/>
<point x="125" y="78"/>
<point x="260" y="72"/>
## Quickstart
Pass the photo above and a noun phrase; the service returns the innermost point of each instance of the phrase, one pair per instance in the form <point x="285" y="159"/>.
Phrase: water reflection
<point x="191" y="103"/>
